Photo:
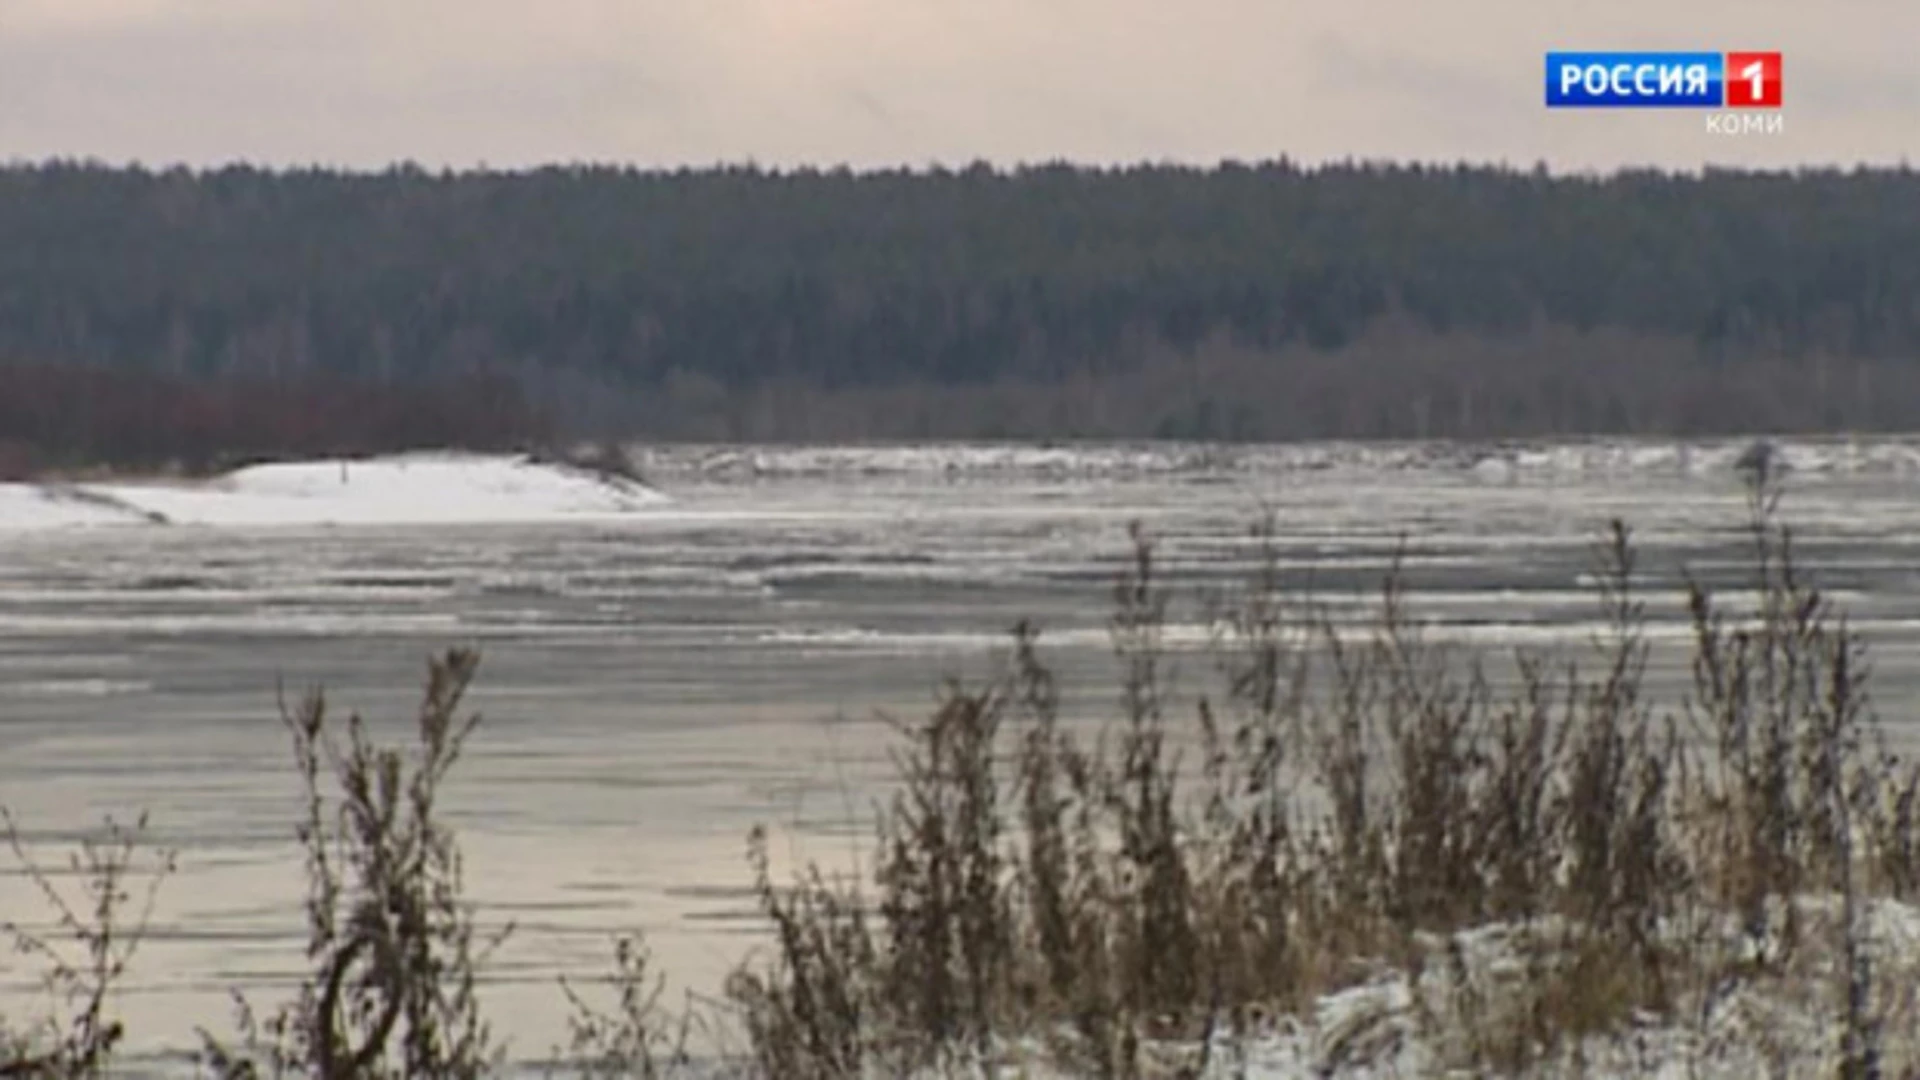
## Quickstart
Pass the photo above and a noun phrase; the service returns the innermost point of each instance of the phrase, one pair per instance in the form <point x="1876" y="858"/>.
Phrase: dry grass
<point x="1362" y="804"/>
<point x="638" y="1036"/>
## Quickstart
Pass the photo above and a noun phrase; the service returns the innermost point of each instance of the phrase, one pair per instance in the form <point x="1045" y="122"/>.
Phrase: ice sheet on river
<point x="1484" y="460"/>
<point x="401" y="490"/>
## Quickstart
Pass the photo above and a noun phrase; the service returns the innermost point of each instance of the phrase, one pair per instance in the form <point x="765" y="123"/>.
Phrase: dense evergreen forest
<point x="1260" y="301"/>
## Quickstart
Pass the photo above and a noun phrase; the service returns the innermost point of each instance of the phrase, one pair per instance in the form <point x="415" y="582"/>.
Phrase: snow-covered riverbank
<point x="400" y="490"/>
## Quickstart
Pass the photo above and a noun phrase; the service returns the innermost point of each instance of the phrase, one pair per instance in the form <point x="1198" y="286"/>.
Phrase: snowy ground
<point x="1447" y="1020"/>
<point x="1456" y="1017"/>
<point x="401" y="490"/>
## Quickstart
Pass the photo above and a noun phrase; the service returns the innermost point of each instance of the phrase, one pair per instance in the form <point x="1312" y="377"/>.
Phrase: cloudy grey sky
<point x="880" y="82"/>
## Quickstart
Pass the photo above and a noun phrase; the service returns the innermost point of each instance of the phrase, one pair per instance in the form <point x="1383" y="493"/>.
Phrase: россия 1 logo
<point x="1696" y="80"/>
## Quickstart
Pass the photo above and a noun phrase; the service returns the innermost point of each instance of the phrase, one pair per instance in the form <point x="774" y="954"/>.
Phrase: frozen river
<point x="653" y="684"/>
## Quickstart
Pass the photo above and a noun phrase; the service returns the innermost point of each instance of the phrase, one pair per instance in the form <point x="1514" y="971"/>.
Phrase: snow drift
<point x="403" y="490"/>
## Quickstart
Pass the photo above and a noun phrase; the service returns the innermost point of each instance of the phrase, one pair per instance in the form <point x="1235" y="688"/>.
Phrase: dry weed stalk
<point x="85" y="957"/>
<point x="393" y="945"/>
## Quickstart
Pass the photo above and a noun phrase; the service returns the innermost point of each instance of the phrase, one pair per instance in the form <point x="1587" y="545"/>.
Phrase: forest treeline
<point x="1055" y="300"/>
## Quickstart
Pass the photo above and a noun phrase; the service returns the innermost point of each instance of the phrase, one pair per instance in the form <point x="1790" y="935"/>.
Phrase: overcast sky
<point x="364" y="83"/>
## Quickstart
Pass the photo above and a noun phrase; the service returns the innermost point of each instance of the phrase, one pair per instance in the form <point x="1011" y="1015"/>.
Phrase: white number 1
<point x="1755" y="74"/>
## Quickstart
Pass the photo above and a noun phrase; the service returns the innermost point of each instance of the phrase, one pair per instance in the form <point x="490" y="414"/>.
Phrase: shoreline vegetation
<point x="1356" y="853"/>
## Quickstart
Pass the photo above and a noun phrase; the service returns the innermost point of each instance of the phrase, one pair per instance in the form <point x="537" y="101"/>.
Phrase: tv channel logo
<point x="1672" y="80"/>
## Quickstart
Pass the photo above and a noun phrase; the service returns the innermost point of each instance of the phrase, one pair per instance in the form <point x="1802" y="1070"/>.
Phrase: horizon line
<point x="1283" y="163"/>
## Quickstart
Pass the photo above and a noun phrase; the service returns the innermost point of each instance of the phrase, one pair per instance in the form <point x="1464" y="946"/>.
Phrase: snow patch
<point x="411" y="489"/>
<point x="1402" y="1024"/>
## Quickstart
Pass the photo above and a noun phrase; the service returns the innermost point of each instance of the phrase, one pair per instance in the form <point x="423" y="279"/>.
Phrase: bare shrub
<point x="394" y="948"/>
<point x="812" y="1012"/>
<point x="86" y="954"/>
<point x="638" y="1037"/>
